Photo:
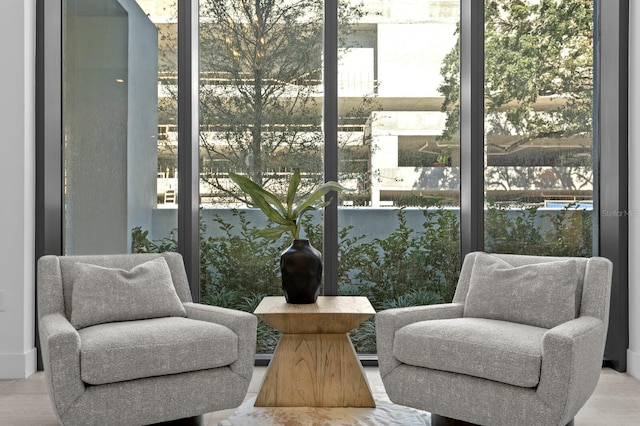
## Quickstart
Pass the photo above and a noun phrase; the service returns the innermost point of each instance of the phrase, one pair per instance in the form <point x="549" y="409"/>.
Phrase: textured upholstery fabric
<point x="66" y="268"/>
<point x="571" y="363"/>
<point x="60" y="346"/>
<point x="157" y="399"/>
<point x="542" y="295"/>
<point x="516" y="260"/>
<point x="391" y="320"/>
<point x="134" y="349"/>
<point x="472" y="399"/>
<point x="463" y="345"/>
<point x="415" y="374"/>
<point x="147" y="399"/>
<point x="241" y="323"/>
<point x="102" y="295"/>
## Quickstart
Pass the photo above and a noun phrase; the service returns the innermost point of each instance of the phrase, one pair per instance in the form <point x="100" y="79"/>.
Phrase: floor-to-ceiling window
<point x="539" y="88"/>
<point x="119" y="164"/>
<point x="392" y="116"/>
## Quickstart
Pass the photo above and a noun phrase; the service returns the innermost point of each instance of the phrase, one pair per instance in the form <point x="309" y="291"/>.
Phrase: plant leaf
<point x="273" y="232"/>
<point x="293" y="187"/>
<point x="316" y="195"/>
<point x="260" y="196"/>
<point x="270" y="212"/>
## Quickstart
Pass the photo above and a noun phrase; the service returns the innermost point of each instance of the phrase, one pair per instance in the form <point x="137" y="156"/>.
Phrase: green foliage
<point x="532" y="49"/>
<point x="414" y="298"/>
<point x="513" y="231"/>
<point x="140" y="242"/>
<point x="363" y="337"/>
<point x="389" y="267"/>
<point x="238" y="259"/>
<point x="441" y="233"/>
<point x="286" y="218"/>
<point x="527" y="231"/>
<point x="407" y="262"/>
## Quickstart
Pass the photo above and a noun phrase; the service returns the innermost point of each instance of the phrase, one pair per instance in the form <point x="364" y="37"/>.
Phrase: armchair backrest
<point x="55" y="286"/>
<point x="594" y="278"/>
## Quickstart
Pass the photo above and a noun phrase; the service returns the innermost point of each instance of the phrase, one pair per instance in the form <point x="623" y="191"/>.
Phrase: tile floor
<point x="616" y="400"/>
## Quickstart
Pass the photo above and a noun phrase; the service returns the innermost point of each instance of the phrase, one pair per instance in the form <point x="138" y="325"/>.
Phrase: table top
<point x="330" y="314"/>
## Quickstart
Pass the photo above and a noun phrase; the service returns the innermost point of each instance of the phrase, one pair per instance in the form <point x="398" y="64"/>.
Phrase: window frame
<point x="610" y="143"/>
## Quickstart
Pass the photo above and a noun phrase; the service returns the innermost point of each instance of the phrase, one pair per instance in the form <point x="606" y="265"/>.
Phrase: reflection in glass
<point x="111" y="119"/>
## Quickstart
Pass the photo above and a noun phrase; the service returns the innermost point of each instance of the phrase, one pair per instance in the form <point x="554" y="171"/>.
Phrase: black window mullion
<point x="471" y="126"/>
<point x="49" y="221"/>
<point x="188" y="153"/>
<point x="330" y="117"/>
<point x="49" y="188"/>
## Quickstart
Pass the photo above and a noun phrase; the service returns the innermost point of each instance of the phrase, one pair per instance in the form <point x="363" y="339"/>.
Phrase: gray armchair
<point x="123" y="344"/>
<point x="521" y="344"/>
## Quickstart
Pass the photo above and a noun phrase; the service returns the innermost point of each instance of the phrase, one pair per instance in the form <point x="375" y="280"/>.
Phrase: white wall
<point x="407" y="68"/>
<point x="17" y="121"/>
<point x="633" y="354"/>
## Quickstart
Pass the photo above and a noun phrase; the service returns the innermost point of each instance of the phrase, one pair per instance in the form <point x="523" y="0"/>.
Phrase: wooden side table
<point x="315" y="364"/>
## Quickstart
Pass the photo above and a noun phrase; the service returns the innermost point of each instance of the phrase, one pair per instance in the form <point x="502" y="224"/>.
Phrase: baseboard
<point x="18" y="366"/>
<point x="633" y="363"/>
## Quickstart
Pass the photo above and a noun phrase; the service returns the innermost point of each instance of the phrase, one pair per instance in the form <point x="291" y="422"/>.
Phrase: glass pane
<point x="399" y="227"/>
<point x="539" y="127"/>
<point x="261" y="106"/>
<point x="116" y="173"/>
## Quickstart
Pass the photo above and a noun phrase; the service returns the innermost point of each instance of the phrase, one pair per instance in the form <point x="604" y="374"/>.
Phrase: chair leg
<point x="437" y="420"/>
<point x="187" y="421"/>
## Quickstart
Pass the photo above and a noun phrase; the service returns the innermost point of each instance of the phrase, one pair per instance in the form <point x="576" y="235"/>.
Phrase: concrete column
<point x="17" y="251"/>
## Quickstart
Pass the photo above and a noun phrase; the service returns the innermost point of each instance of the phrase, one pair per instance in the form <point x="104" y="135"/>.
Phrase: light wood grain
<point x="315" y="364"/>
<point x="330" y="314"/>
<point x="315" y="370"/>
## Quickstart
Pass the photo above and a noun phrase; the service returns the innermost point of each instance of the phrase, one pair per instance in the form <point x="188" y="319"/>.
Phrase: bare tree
<point x="261" y="88"/>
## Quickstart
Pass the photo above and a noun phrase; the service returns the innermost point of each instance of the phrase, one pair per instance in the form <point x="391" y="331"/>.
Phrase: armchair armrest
<point x="571" y="363"/>
<point x="60" y="346"/>
<point x="243" y="324"/>
<point x="389" y="321"/>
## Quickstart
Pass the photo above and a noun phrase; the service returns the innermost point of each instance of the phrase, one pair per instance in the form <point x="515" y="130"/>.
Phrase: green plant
<point x="525" y="230"/>
<point x="571" y="233"/>
<point x="440" y="237"/>
<point x="140" y="242"/>
<point x="235" y="257"/>
<point x="414" y="298"/>
<point x="517" y="231"/>
<point x="391" y="262"/>
<point x="363" y="337"/>
<point x="409" y="261"/>
<point x="287" y="218"/>
<point x="532" y="49"/>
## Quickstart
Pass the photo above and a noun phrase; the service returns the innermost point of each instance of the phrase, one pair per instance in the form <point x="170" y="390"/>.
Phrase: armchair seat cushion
<point x="491" y="349"/>
<point x="129" y="350"/>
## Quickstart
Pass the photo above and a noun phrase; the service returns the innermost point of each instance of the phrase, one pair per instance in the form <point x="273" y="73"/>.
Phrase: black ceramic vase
<point x="301" y="268"/>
